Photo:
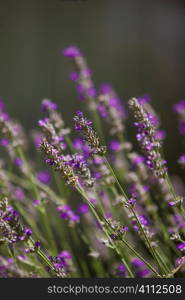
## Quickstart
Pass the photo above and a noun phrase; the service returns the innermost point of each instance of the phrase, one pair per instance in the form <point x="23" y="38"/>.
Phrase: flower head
<point x="48" y="105"/>
<point x="146" y="136"/>
<point x="56" y="160"/>
<point x="84" y="125"/>
<point x="72" y="52"/>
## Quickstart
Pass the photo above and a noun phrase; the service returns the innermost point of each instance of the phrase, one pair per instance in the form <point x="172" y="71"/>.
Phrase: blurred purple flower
<point x="181" y="246"/>
<point x="72" y="52"/>
<point x="179" y="106"/>
<point x="18" y="161"/>
<point x="114" y="146"/>
<point x="83" y="208"/>
<point x="44" y="177"/>
<point x="4" y="142"/>
<point x="48" y="105"/>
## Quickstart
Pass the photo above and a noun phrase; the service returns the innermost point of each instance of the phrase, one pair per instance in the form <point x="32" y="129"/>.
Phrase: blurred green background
<point x="136" y="45"/>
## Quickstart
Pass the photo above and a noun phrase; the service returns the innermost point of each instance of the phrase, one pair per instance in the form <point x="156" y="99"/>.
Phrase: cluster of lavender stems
<point x="82" y="207"/>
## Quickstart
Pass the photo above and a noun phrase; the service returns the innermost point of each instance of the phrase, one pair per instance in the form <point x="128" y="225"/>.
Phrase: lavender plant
<point x="90" y="208"/>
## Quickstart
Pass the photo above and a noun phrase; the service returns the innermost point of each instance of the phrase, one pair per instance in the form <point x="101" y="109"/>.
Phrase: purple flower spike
<point x="147" y="124"/>
<point x="71" y="52"/>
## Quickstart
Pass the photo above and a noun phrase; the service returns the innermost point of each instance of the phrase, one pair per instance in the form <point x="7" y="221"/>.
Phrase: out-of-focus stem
<point x="152" y="250"/>
<point x="41" y="207"/>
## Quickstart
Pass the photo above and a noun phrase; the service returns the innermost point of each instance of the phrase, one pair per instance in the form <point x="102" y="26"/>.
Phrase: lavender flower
<point x="124" y="207"/>
<point x="146" y="137"/>
<point x="62" y="263"/>
<point x="51" y="134"/>
<point x="85" y="127"/>
<point x="71" y="52"/>
<point x="54" y="125"/>
<point x="111" y="109"/>
<point x="10" y="227"/>
<point x="58" y="162"/>
<point x="82" y="75"/>
<point x="80" y="167"/>
<point x="12" y="131"/>
<point x="8" y="269"/>
<point x="66" y="213"/>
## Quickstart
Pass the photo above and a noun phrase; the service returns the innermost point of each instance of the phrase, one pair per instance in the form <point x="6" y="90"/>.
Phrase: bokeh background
<point x="136" y="45"/>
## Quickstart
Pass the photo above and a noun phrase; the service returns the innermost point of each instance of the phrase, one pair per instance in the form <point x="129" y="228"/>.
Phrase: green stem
<point x="105" y="231"/>
<point x="41" y="207"/>
<point x="140" y="257"/>
<point x="152" y="250"/>
<point x="130" y="247"/>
